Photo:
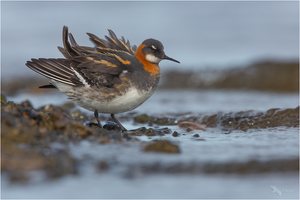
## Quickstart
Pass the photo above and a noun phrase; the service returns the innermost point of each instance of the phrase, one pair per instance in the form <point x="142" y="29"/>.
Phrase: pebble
<point x="196" y="135"/>
<point x="175" y="134"/>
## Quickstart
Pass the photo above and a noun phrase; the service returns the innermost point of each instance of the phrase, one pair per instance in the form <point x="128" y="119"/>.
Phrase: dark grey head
<point x="154" y="51"/>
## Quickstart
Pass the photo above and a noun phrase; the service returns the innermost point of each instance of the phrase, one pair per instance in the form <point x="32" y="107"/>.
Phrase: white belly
<point x="88" y="98"/>
<point x="128" y="101"/>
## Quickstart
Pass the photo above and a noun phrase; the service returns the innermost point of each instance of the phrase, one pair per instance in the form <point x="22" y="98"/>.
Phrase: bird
<point x="111" y="77"/>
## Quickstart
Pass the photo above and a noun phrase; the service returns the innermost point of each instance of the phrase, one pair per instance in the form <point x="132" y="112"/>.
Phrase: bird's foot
<point x="92" y="124"/>
<point x="123" y="129"/>
<point x="113" y="126"/>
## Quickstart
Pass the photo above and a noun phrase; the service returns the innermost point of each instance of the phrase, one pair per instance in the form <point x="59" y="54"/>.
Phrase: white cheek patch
<point x="152" y="58"/>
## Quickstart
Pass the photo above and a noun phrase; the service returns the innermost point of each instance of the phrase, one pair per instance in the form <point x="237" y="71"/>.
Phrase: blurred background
<point x="235" y="56"/>
<point x="202" y="35"/>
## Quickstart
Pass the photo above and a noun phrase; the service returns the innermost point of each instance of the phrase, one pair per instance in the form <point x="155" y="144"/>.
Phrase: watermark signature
<point x="276" y="190"/>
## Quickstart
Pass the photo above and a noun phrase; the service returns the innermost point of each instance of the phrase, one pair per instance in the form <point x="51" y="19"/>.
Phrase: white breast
<point x="88" y="98"/>
<point x="126" y="102"/>
<point x="130" y="100"/>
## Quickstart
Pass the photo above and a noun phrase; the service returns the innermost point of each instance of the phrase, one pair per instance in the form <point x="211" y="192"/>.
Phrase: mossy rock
<point x="162" y="146"/>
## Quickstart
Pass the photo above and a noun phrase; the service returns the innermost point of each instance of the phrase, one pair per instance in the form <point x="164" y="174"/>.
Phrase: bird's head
<point x="153" y="51"/>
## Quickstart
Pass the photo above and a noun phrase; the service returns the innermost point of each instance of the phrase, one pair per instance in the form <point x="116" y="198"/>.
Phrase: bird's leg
<point x="117" y="122"/>
<point x="96" y="114"/>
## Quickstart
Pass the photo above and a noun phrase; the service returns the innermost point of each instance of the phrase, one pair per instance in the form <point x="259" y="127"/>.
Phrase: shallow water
<point x="126" y="179"/>
<point x="242" y="164"/>
<point x="274" y="186"/>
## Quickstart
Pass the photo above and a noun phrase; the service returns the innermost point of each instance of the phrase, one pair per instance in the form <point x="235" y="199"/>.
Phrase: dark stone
<point x="196" y="135"/>
<point x="175" y="134"/>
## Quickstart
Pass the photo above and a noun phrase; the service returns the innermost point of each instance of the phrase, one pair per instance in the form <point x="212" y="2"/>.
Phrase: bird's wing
<point x="81" y="66"/>
<point x="101" y="70"/>
<point x="112" y="43"/>
<point x="59" y="70"/>
<point x="82" y="71"/>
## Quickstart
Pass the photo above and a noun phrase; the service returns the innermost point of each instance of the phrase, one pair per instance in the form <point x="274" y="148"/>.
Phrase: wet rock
<point x="162" y="146"/>
<point x="188" y="130"/>
<point x="242" y="120"/>
<point x="149" y="131"/>
<point x="106" y="137"/>
<point x="175" y="134"/>
<point x="28" y="133"/>
<point x="18" y="162"/>
<point x="61" y="163"/>
<point x="78" y="116"/>
<point x="271" y="118"/>
<point x="248" y="167"/>
<point x="253" y="166"/>
<point x="111" y="126"/>
<point x="245" y="120"/>
<point x="102" y="166"/>
<point x="165" y="131"/>
<point x="191" y="126"/>
<point x="144" y="118"/>
<point x="196" y="135"/>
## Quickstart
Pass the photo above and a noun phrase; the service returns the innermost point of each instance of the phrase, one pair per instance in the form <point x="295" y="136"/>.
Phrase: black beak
<point x="172" y="59"/>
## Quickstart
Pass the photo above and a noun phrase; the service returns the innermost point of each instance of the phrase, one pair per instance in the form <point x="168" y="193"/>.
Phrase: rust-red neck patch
<point x="152" y="68"/>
